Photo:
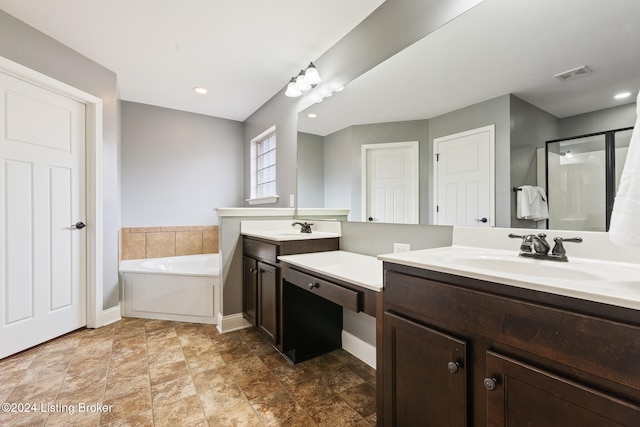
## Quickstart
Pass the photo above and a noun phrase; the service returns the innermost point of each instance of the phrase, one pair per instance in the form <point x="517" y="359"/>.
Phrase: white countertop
<point x="361" y="270"/>
<point x="609" y="282"/>
<point x="282" y="230"/>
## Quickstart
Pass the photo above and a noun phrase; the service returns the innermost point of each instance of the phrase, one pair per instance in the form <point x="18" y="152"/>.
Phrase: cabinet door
<point x="268" y="301"/>
<point x="521" y="395"/>
<point x="425" y="378"/>
<point x="250" y="289"/>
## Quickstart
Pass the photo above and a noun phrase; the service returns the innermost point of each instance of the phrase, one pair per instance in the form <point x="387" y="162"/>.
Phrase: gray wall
<point x="33" y="49"/>
<point x="343" y="161"/>
<point x="338" y="175"/>
<point x="530" y="128"/>
<point x="494" y="111"/>
<point x="310" y="171"/>
<point x="598" y="121"/>
<point x="177" y="167"/>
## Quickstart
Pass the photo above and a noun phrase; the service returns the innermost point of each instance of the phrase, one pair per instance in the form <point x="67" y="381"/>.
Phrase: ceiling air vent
<point x="572" y="74"/>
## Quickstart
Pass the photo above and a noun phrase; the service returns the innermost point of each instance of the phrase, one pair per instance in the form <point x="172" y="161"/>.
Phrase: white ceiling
<point x="242" y="51"/>
<point x="499" y="47"/>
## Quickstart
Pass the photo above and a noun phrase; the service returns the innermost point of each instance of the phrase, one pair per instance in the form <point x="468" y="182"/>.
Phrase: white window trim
<point x="254" y="155"/>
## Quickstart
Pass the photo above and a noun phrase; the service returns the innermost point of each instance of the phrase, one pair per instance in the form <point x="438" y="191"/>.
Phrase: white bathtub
<point x="181" y="288"/>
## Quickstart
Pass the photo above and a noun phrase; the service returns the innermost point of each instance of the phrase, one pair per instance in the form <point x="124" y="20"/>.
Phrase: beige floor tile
<point x="163" y="373"/>
<point x="241" y="415"/>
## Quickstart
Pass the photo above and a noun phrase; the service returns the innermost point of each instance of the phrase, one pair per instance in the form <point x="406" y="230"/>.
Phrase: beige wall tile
<point x="178" y="228"/>
<point x="203" y="227"/>
<point x="188" y="243"/>
<point x="210" y="241"/>
<point x="144" y="229"/>
<point x="133" y="246"/>
<point x="160" y="244"/>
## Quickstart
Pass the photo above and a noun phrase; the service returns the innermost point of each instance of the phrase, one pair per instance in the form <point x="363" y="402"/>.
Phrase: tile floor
<point x="160" y="373"/>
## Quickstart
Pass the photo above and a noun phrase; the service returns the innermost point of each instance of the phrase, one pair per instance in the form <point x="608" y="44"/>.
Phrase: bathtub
<point x="181" y="288"/>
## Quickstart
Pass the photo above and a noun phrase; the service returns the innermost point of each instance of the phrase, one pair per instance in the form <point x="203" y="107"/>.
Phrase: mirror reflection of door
<point x="390" y="182"/>
<point x="464" y="170"/>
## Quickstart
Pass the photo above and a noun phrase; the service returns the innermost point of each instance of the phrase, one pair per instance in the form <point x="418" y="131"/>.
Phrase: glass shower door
<point x="576" y="170"/>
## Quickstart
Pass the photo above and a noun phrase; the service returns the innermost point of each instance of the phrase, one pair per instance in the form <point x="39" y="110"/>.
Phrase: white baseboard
<point x="359" y="348"/>
<point x="231" y="322"/>
<point x="110" y="315"/>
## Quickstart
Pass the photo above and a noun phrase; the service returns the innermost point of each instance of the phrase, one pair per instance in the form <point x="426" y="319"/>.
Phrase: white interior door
<point x="42" y="179"/>
<point x="464" y="178"/>
<point x="390" y="182"/>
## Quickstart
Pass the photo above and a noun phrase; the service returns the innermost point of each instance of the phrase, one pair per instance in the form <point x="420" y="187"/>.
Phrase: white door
<point x="390" y="182"/>
<point x="464" y="178"/>
<point x="42" y="184"/>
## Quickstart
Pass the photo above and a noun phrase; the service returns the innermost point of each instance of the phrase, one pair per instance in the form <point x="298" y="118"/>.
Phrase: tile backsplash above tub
<point x="157" y="242"/>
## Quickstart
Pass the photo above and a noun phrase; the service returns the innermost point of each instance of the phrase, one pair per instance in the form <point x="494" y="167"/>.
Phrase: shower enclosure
<point x="582" y="175"/>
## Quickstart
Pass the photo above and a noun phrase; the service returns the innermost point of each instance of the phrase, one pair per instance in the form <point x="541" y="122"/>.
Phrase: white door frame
<point x="93" y="163"/>
<point x="492" y="167"/>
<point x="365" y="148"/>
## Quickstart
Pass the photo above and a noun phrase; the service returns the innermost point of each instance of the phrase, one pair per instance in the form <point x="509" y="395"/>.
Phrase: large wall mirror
<point x="497" y="65"/>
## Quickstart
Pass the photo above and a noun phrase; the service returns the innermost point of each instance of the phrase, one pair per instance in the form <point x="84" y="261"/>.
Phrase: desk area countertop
<point x="361" y="270"/>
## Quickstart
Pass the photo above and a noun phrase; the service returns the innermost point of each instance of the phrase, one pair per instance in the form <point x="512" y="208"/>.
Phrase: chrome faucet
<point x="536" y="246"/>
<point x="305" y="227"/>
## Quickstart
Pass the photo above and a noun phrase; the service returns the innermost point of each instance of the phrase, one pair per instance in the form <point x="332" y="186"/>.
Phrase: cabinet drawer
<point x="340" y="295"/>
<point x="261" y="250"/>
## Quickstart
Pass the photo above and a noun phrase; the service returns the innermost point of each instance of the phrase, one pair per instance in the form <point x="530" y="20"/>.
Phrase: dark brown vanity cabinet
<point x="424" y="375"/>
<point x="260" y="305"/>
<point x="464" y="352"/>
<point x="262" y="284"/>
<point x="520" y="394"/>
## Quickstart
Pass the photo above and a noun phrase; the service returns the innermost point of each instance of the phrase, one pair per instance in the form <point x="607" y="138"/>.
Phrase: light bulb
<point x="292" y="90"/>
<point x="311" y="75"/>
<point x="301" y="83"/>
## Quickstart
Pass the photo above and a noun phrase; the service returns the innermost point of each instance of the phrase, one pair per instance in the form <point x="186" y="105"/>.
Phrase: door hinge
<point x="437" y="157"/>
<point x="437" y="208"/>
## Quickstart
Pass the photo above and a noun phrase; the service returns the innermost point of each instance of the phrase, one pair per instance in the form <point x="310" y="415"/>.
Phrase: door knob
<point x="78" y="225"/>
<point x="371" y="219"/>
<point x="483" y="220"/>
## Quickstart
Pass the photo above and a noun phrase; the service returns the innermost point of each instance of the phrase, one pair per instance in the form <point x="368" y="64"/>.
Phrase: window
<point x="263" y="168"/>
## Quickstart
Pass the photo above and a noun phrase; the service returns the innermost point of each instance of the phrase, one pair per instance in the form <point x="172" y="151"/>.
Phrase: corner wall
<point x="177" y="167"/>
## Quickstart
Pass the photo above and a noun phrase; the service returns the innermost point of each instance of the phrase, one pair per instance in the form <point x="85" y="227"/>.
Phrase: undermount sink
<point x="291" y="235"/>
<point x="497" y="263"/>
<point x="530" y="267"/>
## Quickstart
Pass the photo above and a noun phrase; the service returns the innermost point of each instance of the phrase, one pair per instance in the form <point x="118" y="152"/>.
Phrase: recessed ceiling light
<point x="623" y="95"/>
<point x="200" y="90"/>
<point x="312" y="115"/>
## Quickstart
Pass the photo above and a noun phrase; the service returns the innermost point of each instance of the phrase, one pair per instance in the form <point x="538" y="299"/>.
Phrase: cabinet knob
<point x="253" y="270"/>
<point x="490" y="384"/>
<point x="453" y="367"/>
<point x="314" y="285"/>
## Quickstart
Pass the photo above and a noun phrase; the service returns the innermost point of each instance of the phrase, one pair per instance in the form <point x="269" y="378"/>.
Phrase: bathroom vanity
<point x="475" y="337"/>
<point x="316" y="287"/>
<point x="262" y="243"/>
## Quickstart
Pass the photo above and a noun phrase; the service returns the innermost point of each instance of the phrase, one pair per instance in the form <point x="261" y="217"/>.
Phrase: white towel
<point x="531" y="203"/>
<point x="624" y="228"/>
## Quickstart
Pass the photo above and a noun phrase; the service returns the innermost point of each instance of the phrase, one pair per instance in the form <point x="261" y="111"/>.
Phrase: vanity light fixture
<point x="305" y="80"/>
<point x="200" y="90"/>
<point x="623" y="95"/>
